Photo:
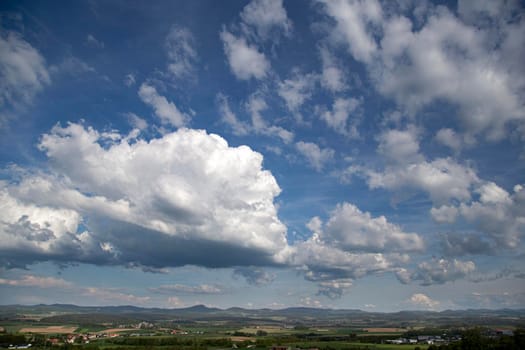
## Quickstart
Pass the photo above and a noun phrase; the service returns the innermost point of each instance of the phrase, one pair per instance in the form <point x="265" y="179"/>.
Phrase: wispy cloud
<point x="186" y="289"/>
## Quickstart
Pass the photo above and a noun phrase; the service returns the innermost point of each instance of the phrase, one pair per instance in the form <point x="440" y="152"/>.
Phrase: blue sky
<point x="263" y="154"/>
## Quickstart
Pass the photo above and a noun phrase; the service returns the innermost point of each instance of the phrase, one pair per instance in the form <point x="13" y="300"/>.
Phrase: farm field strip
<point x="118" y="330"/>
<point x="49" y="329"/>
<point x="267" y="329"/>
<point x="385" y="330"/>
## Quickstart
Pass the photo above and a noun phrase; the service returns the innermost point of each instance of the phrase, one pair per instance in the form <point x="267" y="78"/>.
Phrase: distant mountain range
<point x="64" y="313"/>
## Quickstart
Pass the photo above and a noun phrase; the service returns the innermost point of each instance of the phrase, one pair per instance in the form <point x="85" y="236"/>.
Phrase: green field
<point x="73" y="331"/>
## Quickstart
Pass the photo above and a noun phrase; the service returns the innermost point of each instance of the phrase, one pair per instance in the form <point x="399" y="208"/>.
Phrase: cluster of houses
<point x="425" y="339"/>
<point x="438" y="340"/>
<point x="86" y="338"/>
<point x="80" y="338"/>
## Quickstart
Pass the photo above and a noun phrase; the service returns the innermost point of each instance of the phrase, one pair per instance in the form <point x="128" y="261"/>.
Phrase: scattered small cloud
<point x="256" y="105"/>
<point x="334" y="289"/>
<point x="296" y="90"/>
<point x="129" y="79"/>
<point x="175" y="302"/>
<point x="344" y="117"/>
<point x="165" y="110"/>
<point x="268" y="17"/>
<point x="186" y="289"/>
<point x="316" y="157"/>
<point x="245" y="60"/>
<point x="421" y="300"/>
<point x="114" y="296"/>
<point x="37" y="282"/>
<point x="23" y="73"/>
<point x="440" y="271"/>
<point x="333" y="77"/>
<point x="254" y="276"/>
<point x="238" y="127"/>
<point x="136" y="121"/>
<point x="182" y="55"/>
<point x="73" y="66"/>
<point x="310" y="302"/>
<point x="93" y="42"/>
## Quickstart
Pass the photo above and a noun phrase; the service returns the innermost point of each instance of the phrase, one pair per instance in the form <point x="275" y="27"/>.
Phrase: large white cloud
<point x="322" y="262"/>
<point x="443" y="179"/>
<point x="497" y="216"/>
<point x="351" y="244"/>
<point x="351" y="229"/>
<point x="165" y="202"/>
<point x="334" y="268"/>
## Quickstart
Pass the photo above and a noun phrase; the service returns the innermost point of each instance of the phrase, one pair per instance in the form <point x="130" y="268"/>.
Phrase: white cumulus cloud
<point x="442" y="179"/>
<point x="351" y="229"/>
<point x="498" y="217"/>
<point x="184" y="192"/>
<point x="350" y="245"/>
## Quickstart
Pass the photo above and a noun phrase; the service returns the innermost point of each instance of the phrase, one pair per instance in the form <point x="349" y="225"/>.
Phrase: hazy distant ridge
<point x="78" y="314"/>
